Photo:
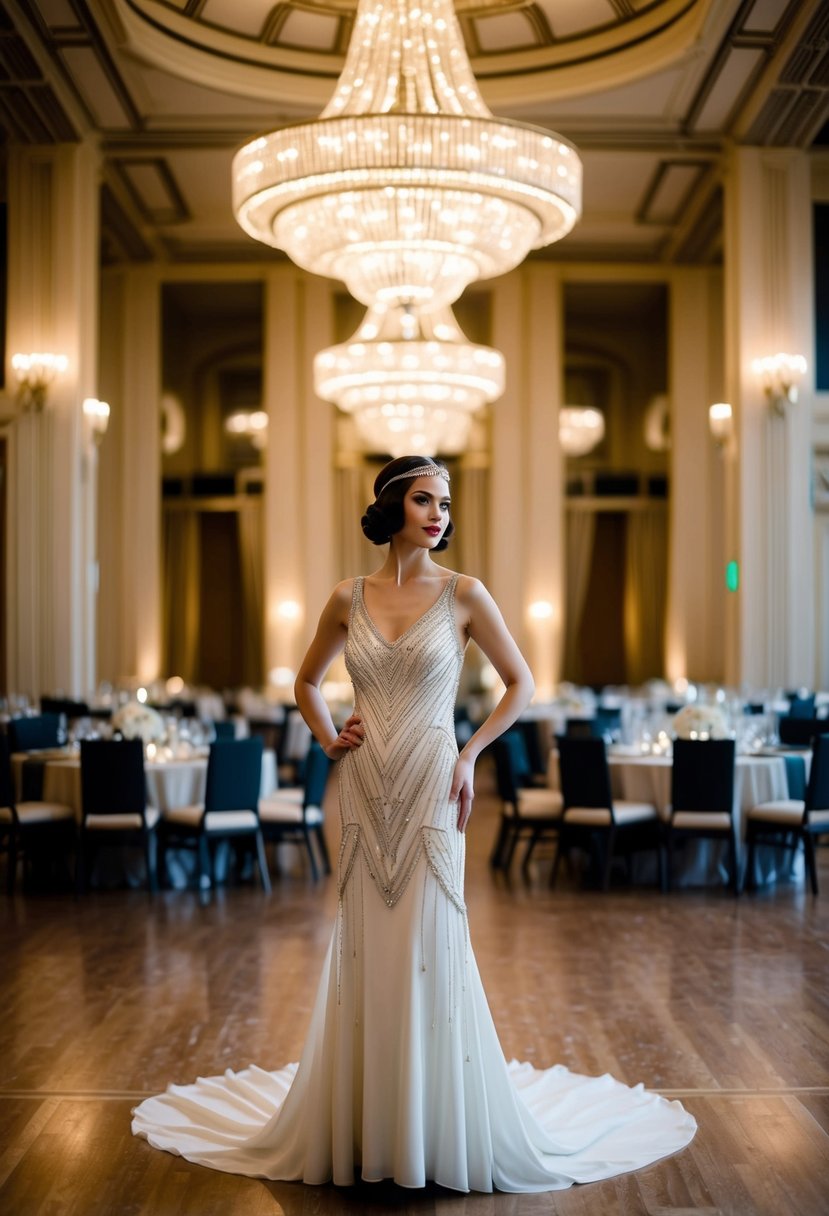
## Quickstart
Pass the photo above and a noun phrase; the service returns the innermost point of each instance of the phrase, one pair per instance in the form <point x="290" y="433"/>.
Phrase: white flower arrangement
<point x="700" y="722"/>
<point x="137" y="721"/>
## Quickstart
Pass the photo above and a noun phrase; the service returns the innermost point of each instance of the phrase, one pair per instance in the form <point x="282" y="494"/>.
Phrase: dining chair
<point x="28" y="828"/>
<point x="790" y="822"/>
<point x="799" y="731"/>
<point x="592" y="815"/>
<point x="114" y="804"/>
<point x="39" y="731"/>
<point x="229" y="812"/>
<point x="71" y="709"/>
<point x="224" y="729"/>
<point x="702" y="798"/>
<point x="802" y="705"/>
<point x="528" y="811"/>
<point x="295" y="814"/>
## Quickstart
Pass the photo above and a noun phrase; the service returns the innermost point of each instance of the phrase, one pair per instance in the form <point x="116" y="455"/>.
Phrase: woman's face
<point x="425" y="511"/>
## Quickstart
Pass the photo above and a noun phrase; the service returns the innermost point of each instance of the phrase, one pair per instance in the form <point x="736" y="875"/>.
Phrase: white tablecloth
<point x="756" y="779"/>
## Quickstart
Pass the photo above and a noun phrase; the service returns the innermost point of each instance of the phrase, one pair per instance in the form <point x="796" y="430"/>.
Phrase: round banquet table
<point x="170" y="783"/>
<point x="700" y="862"/>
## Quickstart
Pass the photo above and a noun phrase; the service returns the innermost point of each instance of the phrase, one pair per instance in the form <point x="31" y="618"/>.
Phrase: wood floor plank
<point x="723" y="1002"/>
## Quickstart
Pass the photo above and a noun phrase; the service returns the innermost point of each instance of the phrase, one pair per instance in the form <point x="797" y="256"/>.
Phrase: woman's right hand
<point x="348" y="740"/>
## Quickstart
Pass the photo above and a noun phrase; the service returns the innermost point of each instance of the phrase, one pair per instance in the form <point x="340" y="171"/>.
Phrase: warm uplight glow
<point x="411" y="380"/>
<point x="406" y="187"/>
<point x="281" y="677"/>
<point x="540" y="610"/>
<point x="580" y="429"/>
<point x="174" y="686"/>
<point x="288" y="610"/>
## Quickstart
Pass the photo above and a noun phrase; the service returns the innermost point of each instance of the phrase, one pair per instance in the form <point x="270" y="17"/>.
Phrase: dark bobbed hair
<point x="385" y="515"/>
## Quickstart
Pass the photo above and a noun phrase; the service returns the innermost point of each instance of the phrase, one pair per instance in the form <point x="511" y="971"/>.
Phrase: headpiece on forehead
<point x="424" y="470"/>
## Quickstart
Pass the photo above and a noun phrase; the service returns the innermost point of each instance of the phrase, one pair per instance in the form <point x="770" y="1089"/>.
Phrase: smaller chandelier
<point x="248" y="424"/>
<point x="35" y="373"/>
<point x="411" y="380"/>
<point x="780" y="375"/>
<point x="580" y="429"/>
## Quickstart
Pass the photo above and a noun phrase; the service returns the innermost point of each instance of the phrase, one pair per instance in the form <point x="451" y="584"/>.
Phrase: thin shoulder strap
<point x="356" y="597"/>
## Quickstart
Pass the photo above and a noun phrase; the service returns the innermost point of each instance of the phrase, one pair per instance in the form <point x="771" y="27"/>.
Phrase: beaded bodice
<point x="394" y="789"/>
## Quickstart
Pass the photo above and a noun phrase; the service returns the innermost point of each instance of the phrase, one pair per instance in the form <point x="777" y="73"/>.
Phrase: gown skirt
<point x="402" y="1076"/>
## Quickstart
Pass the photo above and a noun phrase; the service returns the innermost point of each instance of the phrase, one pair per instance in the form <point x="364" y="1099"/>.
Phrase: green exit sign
<point x="732" y="576"/>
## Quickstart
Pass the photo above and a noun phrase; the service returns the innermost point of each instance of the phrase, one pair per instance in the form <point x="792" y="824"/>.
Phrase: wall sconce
<point x="580" y="429"/>
<point x="720" y="423"/>
<point x="288" y="610"/>
<point x="780" y="375"/>
<point x="540" y="610"/>
<point x="97" y="414"/>
<point x="34" y="374"/>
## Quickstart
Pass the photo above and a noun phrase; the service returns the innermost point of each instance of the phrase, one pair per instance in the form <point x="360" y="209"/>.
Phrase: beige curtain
<point x="580" y="533"/>
<point x="646" y="562"/>
<point x="182" y="557"/>
<point x="251" y="561"/>
<point x="352" y="494"/>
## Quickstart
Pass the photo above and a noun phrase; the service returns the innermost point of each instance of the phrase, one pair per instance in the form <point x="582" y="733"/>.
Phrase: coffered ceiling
<point x="651" y="91"/>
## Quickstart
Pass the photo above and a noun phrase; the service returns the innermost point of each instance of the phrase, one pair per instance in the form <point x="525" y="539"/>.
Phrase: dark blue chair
<point x="702" y="798"/>
<point x="296" y="813"/>
<point x="792" y="822"/>
<point x="30" y="827"/>
<point x="591" y="815"/>
<point x="528" y="812"/>
<point x="37" y="733"/>
<point x="114" y="802"/>
<point x="799" y="732"/>
<point x="230" y="811"/>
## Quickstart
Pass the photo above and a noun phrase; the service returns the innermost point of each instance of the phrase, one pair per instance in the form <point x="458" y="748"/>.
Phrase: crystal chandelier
<point x="406" y="187"/>
<point x="411" y="380"/>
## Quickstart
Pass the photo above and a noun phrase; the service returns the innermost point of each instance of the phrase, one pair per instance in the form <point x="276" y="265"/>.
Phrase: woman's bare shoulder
<point x="469" y="590"/>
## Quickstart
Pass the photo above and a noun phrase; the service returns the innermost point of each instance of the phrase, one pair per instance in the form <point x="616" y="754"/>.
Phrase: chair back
<point x="799" y="731"/>
<point x="234" y="775"/>
<point x="512" y="765"/>
<point x="112" y="777"/>
<point x="583" y="771"/>
<point x="317" y="768"/>
<point x="580" y="728"/>
<point x="702" y="775"/>
<point x="224" y="729"/>
<point x="817" y="788"/>
<point x="31" y="734"/>
<point x="8" y="795"/>
<point x="62" y="705"/>
<point x="536" y="761"/>
<point x="802" y="706"/>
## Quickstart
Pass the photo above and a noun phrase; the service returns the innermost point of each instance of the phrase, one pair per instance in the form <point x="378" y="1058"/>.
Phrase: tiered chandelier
<point x="406" y="187"/>
<point x="411" y="379"/>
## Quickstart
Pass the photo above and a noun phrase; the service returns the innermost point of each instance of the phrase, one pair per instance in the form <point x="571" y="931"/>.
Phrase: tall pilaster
<point x="53" y="245"/>
<point x="526" y="486"/>
<point x="769" y="298"/>
<point x="299" y="511"/>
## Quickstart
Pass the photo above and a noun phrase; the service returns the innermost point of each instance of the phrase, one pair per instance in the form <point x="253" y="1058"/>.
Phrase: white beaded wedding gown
<point x="402" y="1076"/>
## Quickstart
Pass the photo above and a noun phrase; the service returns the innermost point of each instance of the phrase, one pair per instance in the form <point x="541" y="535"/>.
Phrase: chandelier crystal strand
<point x="406" y="187"/>
<point x="411" y="380"/>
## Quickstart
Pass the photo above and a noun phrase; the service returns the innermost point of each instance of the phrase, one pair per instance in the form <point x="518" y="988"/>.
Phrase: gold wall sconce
<point x="35" y="373"/>
<point x="720" y="423"/>
<point x="97" y="415"/>
<point x="780" y="375"/>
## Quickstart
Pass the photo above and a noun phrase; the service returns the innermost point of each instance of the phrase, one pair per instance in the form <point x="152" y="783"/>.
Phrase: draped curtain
<point x="646" y="562"/>
<point x="182" y="557"/>
<point x="251" y="562"/>
<point x="580" y="530"/>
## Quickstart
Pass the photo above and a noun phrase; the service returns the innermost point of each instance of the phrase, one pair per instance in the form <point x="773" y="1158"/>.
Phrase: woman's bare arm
<point x="328" y="642"/>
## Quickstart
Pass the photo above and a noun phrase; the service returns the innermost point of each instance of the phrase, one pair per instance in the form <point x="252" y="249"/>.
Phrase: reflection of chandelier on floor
<point x="411" y="380"/>
<point x="406" y="187"/>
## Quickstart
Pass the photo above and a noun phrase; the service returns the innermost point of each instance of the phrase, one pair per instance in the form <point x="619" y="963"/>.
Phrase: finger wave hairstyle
<point x="385" y="516"/>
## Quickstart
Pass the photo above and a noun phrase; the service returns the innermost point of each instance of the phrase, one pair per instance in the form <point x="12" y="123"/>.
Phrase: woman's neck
<point x="405" y="563"/>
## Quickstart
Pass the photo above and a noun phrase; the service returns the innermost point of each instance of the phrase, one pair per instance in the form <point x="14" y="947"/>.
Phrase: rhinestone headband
<point x="424" y="470"/>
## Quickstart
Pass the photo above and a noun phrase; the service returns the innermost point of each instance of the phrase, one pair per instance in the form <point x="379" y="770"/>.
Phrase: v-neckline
<point x="408" y="630"/>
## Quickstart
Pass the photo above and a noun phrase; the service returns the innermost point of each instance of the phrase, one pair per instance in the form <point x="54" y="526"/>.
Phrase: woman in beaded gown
<point x="402" y="1075"/>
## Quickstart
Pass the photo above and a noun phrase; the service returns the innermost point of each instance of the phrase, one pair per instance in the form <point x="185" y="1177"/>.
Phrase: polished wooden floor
<point x="720" y="1002"/>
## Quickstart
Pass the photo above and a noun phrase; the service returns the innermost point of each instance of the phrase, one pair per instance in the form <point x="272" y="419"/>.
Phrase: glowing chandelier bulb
<point x="411" y="380"/>
<point x="406" y="187"/>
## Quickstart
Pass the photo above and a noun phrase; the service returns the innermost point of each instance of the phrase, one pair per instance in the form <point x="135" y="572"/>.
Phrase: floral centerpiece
<point x="137" y="721"/>
<point x="700" y="722"/>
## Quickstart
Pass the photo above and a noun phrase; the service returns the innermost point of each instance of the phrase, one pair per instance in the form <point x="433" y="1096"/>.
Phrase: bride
<point x="402" y="1075"/>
